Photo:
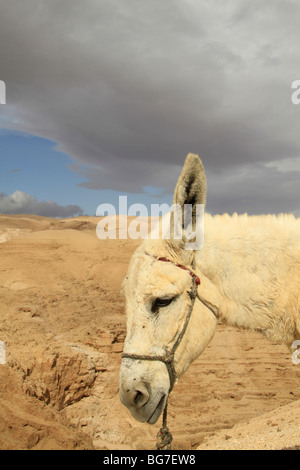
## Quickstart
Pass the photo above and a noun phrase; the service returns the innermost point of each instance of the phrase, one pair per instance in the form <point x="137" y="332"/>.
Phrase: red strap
<point x="181" y="267"/>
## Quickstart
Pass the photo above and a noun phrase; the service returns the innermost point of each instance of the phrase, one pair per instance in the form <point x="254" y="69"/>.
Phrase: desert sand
<point x="62" y="319"/>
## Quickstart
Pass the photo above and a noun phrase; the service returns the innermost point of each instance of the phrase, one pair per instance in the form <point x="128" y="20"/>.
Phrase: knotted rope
<point x="164" y="437"/>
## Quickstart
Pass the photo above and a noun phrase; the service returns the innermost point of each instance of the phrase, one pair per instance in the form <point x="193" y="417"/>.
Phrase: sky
<point x="106" y="98"/>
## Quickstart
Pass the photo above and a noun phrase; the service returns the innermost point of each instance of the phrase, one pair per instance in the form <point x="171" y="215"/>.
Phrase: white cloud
<point x="286" y="165"/>
<point x="22" y="203"/>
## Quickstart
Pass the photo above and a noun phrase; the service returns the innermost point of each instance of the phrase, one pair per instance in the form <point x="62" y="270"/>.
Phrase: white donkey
<point x="247" y="274"/>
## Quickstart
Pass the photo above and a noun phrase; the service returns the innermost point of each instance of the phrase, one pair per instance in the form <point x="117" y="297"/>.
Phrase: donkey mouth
<point x="157" y="412"/>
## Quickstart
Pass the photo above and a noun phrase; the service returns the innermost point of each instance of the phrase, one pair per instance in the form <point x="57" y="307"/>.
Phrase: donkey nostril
<point x="141" y="396"/>
<point x="135" y="395"/>
<point x="138" y="397"/>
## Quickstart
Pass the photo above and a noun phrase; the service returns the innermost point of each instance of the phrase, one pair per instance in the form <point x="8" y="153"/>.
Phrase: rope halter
<point x="164" y="435"/>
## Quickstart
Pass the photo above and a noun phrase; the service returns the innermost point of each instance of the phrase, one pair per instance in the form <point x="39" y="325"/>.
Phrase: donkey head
<point x="159" y="297"/>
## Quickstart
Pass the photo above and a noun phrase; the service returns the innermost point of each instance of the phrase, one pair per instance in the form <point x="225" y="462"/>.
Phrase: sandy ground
<point x="62" y="320"/>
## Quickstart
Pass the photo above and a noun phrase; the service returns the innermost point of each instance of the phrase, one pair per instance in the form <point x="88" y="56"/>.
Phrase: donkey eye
<point x="158" y="303"/>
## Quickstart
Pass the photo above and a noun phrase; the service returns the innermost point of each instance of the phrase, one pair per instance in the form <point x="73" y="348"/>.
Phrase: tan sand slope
<point x="276" y="430"/>
<point x="62" y="319"/>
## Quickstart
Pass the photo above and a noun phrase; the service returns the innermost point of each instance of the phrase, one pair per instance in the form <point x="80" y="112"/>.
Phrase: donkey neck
<point x="247" y="260"/>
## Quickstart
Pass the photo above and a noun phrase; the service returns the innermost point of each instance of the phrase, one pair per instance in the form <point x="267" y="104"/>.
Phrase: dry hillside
<point x="62" y="320"/>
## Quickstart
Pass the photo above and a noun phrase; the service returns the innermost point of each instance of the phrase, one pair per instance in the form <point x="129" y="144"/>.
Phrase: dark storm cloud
<point x="127" y="89"/>
<point x="256" y="189"/>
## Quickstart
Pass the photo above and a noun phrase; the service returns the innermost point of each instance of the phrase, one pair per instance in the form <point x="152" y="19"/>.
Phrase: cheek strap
<point x="168" y="359"/>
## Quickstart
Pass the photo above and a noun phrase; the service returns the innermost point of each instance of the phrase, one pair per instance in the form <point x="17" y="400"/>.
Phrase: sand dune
<point x="62" y="320"/>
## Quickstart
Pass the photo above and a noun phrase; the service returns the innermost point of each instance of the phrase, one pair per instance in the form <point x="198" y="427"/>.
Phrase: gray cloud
<point x="256" y="189"/>
<point x="127" y="89"/>
<point x="22" y="203"/>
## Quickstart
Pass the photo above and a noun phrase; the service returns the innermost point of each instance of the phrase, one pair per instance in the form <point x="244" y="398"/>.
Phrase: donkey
<point x="247" y="274"/>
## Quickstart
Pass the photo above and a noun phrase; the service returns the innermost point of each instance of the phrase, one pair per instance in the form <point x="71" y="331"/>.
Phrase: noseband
<point x="168" y="359"/>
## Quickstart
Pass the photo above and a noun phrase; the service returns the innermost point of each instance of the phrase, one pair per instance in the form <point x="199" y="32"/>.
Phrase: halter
<point x="168" y="359"/>
<point x="164" y="435"/>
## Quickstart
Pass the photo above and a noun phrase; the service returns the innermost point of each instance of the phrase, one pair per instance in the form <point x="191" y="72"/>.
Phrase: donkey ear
<point x="189" y="199"/>
<point x="191" y="185"/>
